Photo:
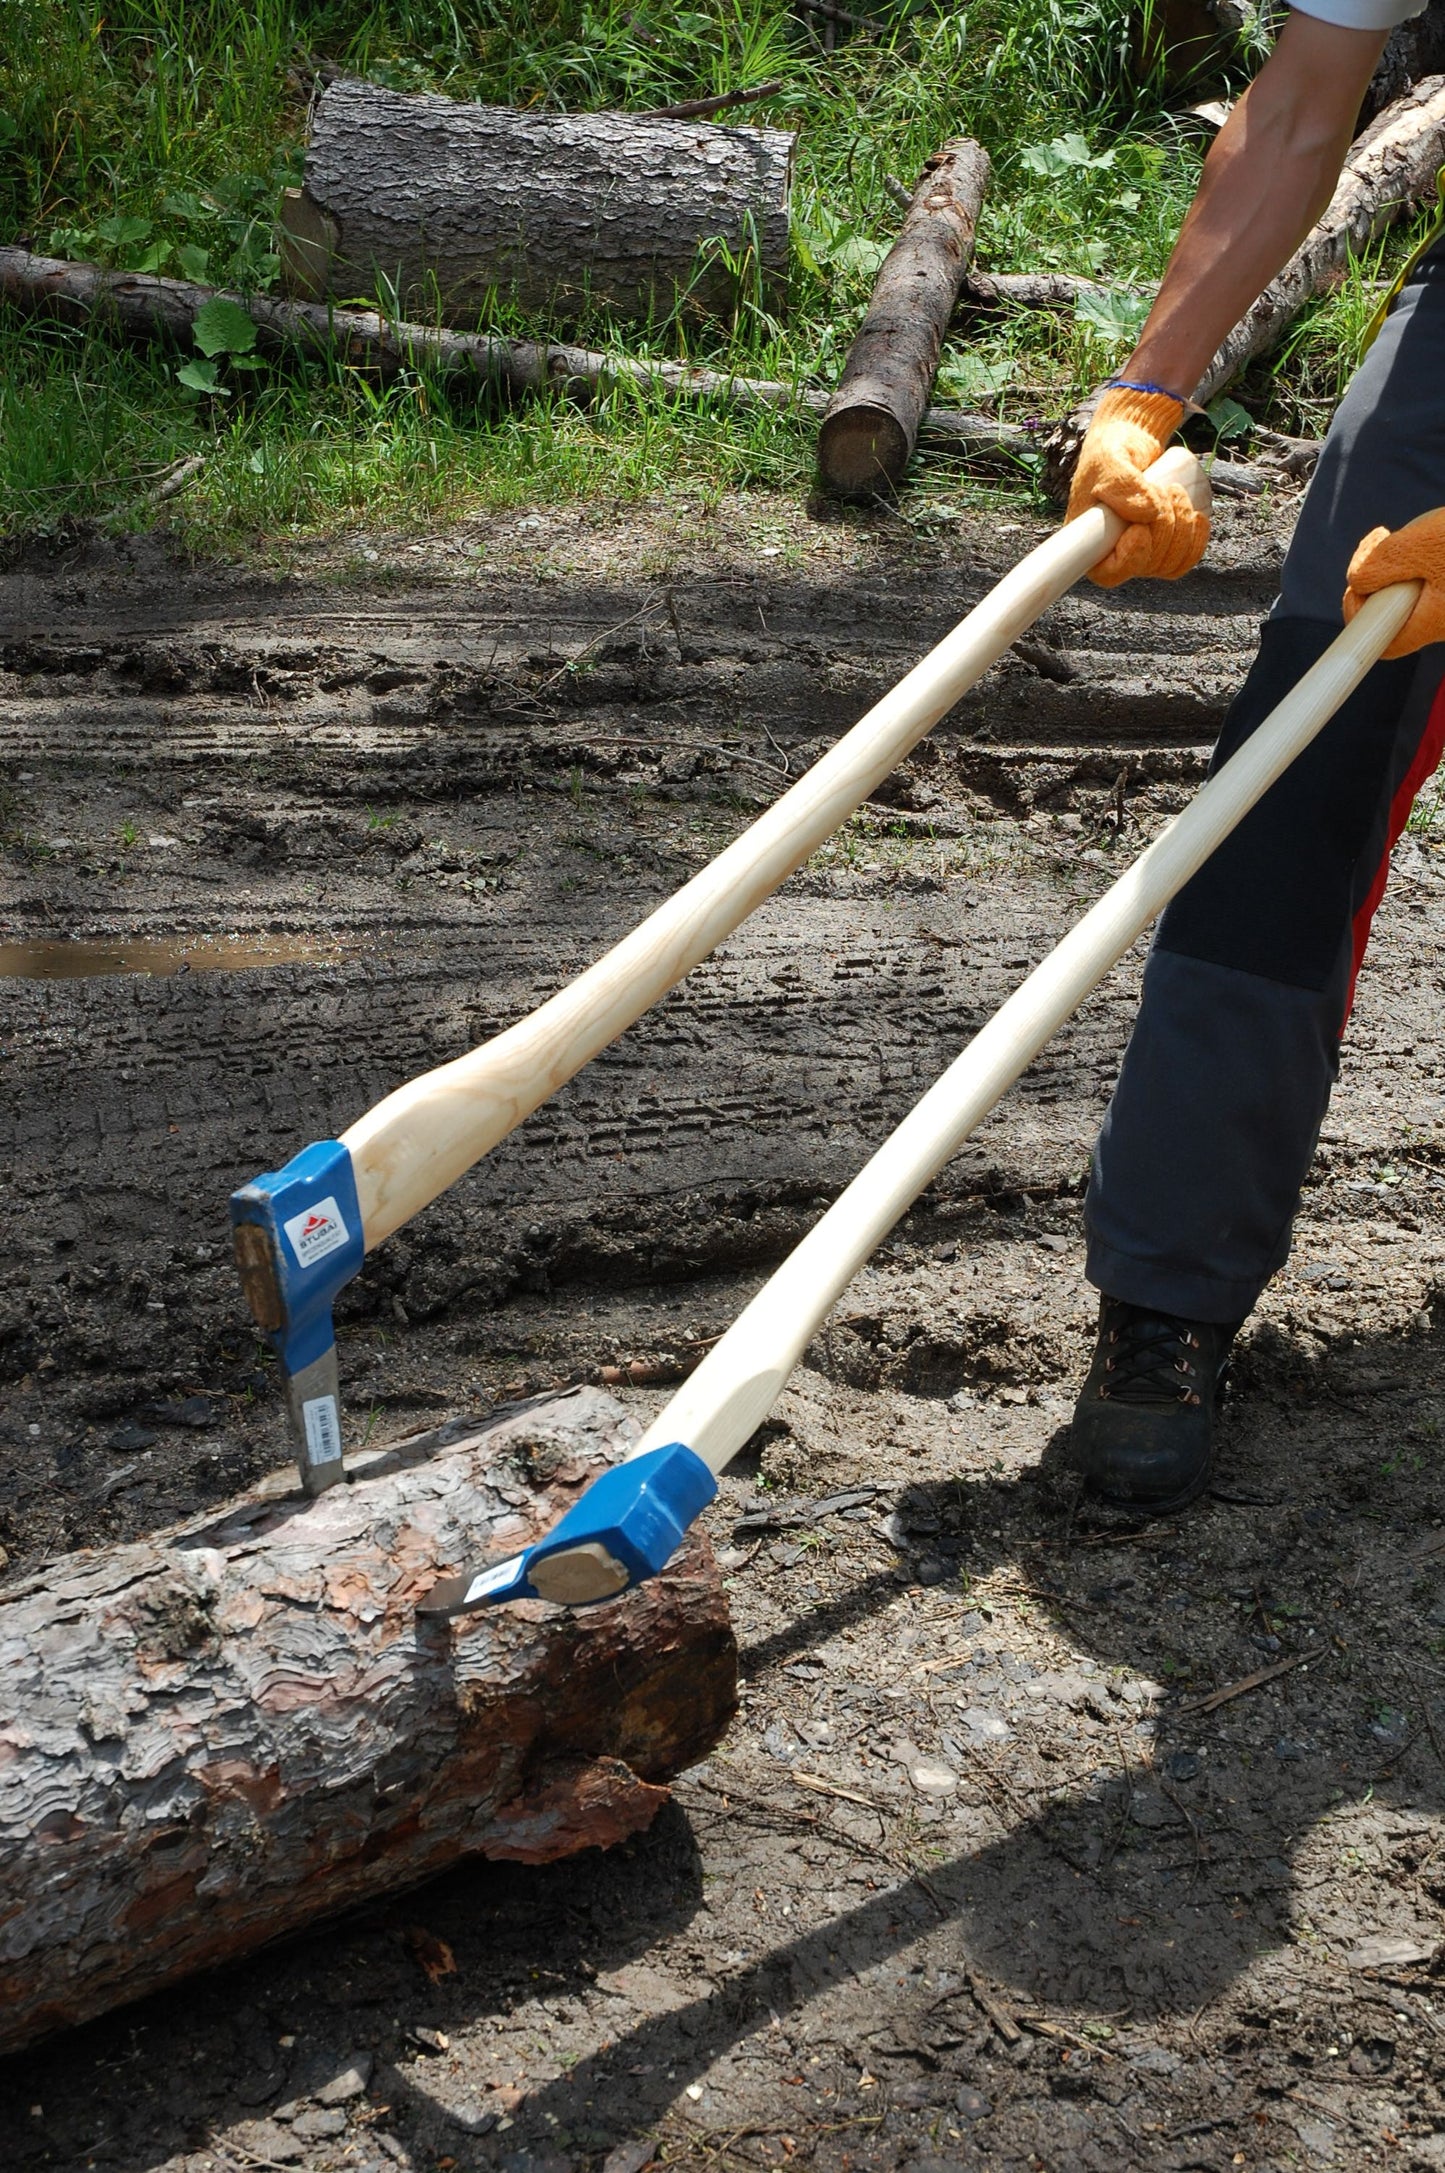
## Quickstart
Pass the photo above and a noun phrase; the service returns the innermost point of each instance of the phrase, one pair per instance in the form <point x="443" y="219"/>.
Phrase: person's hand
<point x="1415" y="552"/>
<point x="1165" y="536"/>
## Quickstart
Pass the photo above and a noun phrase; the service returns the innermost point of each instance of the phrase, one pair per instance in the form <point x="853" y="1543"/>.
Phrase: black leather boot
<point x="1143" y="1431"/>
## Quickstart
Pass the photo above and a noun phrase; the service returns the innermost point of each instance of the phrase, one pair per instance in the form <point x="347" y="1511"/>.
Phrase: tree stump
<point x="871" y="426"/>
<point x="214" y="1737"/>
<point x="440" y="208"/>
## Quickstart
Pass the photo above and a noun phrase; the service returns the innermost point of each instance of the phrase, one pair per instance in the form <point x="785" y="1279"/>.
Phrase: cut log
<point x="871" y="426"/>
<point x="141" y="306"/>
<point x="441" y="208"/>
<point x="212" y="1738"/>
<point x="1390" y="169"/>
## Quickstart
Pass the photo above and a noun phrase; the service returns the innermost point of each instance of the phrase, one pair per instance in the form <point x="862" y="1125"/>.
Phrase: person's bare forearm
<point x="1268" y="178"/>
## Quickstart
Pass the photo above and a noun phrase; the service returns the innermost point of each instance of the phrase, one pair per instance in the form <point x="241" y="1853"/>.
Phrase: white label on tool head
<point x="322" y="1421"/>
<point x="490" y="1580"/>
<point x="317" y="1232"/>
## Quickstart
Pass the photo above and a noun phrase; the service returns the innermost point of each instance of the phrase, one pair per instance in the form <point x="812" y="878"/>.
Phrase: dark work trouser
<point x="1226" y="1079"/>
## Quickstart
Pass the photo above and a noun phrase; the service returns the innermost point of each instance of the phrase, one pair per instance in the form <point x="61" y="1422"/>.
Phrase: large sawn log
<point x="872" y="423"/>
<point x="439" y="208"/>
<point x="214" y="1737"/>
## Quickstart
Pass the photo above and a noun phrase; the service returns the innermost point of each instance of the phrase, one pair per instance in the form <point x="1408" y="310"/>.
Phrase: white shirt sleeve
<point x="1360" y="14"/>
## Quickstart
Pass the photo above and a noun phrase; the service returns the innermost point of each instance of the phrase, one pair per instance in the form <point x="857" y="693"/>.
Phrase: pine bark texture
<point x="442" y="208"/>
<point x="214" y="1737"/>
<point x="873" y="419"/>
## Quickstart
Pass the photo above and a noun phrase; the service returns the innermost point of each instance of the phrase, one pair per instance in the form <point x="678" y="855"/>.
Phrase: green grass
<point x="159" y="137"/>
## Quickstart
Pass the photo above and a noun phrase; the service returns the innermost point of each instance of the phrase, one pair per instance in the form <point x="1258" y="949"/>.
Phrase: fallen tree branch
<point x="1041" y="290"/>
<point x="212" y="1738"/>
<point x="1391" y="168"/>
<point x="144" y="307"/>
<point x="873" y="419"/>
<point x="696" y="109"/>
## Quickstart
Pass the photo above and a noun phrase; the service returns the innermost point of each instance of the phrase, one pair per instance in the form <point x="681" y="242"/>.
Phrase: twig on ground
<point x="1231" y="1691"/>
<point x="990" y="2009"/>
<point x="816" y="1782"/>
<point x="693" y="109"/>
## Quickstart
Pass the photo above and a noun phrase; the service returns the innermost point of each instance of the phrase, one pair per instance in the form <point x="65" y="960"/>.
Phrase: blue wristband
<point x="1134" y="384"/>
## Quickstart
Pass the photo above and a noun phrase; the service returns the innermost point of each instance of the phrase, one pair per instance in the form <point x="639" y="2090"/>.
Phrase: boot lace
<point x="1150" y="1359"/>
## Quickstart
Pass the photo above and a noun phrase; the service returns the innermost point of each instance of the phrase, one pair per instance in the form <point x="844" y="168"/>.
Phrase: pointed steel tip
<point x="447" y="1597"/>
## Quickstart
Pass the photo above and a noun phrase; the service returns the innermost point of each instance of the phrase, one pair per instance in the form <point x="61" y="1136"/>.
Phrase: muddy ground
<point x="978" y="1879"/>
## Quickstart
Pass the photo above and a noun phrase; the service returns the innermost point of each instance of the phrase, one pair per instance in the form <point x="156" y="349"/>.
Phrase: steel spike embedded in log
<point x="212" y="1738"/>
<point x="624" y="1527"/>
<point x="873" y="419"/>
<point x="443" y="205"/>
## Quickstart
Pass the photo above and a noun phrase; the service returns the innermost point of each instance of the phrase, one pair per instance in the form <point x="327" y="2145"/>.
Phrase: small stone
<point x="931" y="1780"/>
<point x="973" y="2105"/>
<point x="983" y="1726"/>
<point x="318" y="2124"/>
<point x="1183" y="1765"/>
<point x="129" y="1440"/>
<point x="931" y="1570"/>
<point x="630" y="2157"/>
<point x="1287" y="1750"/>
<point x="263" y="2139"/>
<point x="197" y="1412"/>
<point x="350" y="2083"/>
<point x="472" y="2117"/>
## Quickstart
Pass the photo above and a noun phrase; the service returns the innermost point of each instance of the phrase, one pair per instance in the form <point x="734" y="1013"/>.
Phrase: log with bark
<point x="438" y="208"/>
<point x="212" y="1738"/>
<point x="142" y="306"/>
<point x="983" y="291"/>
<point x="872" y="423"/>
<point x="1391" y="168"/>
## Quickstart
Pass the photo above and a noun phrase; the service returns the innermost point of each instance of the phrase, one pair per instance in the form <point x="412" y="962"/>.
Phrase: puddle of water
<point x="59" y="959"/>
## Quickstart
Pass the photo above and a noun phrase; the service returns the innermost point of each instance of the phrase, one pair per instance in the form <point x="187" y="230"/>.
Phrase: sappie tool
<point x="302" y="1231"/>
<point x="616" y="1532"/>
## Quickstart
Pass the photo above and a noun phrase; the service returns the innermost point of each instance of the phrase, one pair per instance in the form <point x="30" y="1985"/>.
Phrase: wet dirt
<point x="63" y="959"/>
<point x="980" y="1878"/>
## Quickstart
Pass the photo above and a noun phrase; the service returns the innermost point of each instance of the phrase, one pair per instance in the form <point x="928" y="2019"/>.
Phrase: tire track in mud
<point x="406" y="774"/>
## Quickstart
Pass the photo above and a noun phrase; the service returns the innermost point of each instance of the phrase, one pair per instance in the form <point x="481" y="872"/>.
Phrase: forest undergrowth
<point x="159" y="137"/>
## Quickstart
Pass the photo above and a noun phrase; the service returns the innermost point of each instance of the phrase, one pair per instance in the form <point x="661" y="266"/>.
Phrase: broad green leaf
<point x="152" y="260"/>
<point x="858" y="254"/>
<point x="194" y="261"/>
<point x="201" y="377"/>
<point x="967" y="375"/>
<point x="182" y="204"/>
<point x="223" y="328"/>
<point x="1065" y="154"/>
<point x="1113" y="315"/>
<point x="124" y="232"/>
<point x="9" y="130"/>
<point x="1230" y="420"/>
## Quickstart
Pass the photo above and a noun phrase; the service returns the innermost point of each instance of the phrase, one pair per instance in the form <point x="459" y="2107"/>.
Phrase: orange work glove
<point x="1165" y="536"/>
<point x="1415" y="552"/>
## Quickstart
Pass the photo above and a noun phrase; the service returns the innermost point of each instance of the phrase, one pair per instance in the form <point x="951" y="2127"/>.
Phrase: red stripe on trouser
<point x="1427" y="757"/>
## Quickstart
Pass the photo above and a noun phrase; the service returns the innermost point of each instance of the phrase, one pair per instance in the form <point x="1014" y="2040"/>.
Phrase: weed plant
<point x="158" y="137"/>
